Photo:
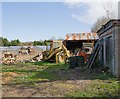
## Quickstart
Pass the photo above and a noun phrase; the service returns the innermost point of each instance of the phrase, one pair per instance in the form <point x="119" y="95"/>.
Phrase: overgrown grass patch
<point x="34" y="72"/>
<point x="103" y="85"/>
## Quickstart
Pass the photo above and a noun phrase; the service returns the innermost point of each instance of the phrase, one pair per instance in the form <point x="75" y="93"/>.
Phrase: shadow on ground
<point x="63" y="72"/>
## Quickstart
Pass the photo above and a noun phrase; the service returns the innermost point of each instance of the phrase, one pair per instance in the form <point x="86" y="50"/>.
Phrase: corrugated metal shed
<point x="82" y="36"/>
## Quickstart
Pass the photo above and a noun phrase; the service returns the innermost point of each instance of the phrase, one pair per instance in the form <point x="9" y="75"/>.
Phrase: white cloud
<point x="73" y="3"/>
<point x="77" y="1"/>
<point x="94" y="11"/>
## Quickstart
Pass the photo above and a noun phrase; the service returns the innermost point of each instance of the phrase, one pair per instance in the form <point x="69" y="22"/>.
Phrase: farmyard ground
<point x="43" y="79"/>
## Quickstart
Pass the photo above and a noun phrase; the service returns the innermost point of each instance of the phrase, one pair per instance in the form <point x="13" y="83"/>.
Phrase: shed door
<point x="109" y="52"/>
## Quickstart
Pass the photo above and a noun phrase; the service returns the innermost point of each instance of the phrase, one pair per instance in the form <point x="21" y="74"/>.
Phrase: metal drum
<point x="80" y="61"/>
<point x="72" y="62"/>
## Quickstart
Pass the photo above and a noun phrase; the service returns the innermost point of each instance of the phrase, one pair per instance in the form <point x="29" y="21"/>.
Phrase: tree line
<point x="17" y="42"/>
<point x="6" y="42"/>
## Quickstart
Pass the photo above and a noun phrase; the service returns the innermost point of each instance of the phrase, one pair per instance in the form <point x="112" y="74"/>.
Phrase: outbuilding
<point x="78" y="42"/>
<point x="109" y="54"/>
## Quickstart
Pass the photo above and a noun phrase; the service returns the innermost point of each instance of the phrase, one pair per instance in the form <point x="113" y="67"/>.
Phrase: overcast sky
<point x="30" y="21"/>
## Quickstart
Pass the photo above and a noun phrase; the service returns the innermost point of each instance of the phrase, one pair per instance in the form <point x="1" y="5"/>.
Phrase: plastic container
<point x="80" y="61"/>
<point x="72" y="62"/>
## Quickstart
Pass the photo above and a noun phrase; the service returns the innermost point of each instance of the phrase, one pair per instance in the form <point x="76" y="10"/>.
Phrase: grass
<point x="104" y="85"/>
<point x="32" y="74"/>
<point x="97" y="89"/>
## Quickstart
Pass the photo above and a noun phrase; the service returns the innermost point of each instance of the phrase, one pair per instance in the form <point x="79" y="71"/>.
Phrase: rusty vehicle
<point x="56" y="53"/>
<point x="9" y="58"/>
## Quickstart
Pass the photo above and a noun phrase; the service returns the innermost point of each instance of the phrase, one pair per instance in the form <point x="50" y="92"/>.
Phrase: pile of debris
<point x="38" y="57"/>
<point x="9" y="58"/>
<point x="26" y="50"/>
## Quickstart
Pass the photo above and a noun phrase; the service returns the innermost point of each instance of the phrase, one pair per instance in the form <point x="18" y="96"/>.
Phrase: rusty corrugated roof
<point x="82" y="36"/>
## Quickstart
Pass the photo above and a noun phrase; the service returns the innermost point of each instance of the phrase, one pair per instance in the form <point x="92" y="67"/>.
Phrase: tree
<point x="1" y="41"/>
<point x="102" y="20"/>
<point x="15" y="42"/>
<point x="5" y="42"/>
<point x="38" y="43"/>
<point x="97" y="25"/>
<point x="108" y="9"/>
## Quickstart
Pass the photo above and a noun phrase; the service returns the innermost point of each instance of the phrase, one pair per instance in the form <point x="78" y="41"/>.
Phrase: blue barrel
<point x="72" y="62"/>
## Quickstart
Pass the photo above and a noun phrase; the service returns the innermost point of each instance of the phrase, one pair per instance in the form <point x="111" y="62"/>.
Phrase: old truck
<point x="57" y="52"/>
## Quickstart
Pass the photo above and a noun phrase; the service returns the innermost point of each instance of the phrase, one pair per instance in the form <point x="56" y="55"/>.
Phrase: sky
<point x="29" y="21"/>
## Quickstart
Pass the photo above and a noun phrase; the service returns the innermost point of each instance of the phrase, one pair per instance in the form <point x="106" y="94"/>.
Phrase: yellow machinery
<point x="56" y="53"/>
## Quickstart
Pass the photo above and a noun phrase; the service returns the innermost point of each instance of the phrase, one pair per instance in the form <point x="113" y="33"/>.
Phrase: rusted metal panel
<point x="82" y="36"/>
